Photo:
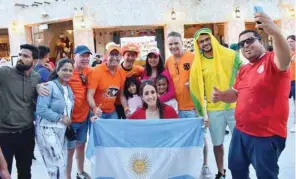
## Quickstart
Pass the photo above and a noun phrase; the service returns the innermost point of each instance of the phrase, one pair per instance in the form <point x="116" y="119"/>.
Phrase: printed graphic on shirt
<point x="186" y="66"/>
<point x="261" y="69"/>
<point x="112" y="92"/>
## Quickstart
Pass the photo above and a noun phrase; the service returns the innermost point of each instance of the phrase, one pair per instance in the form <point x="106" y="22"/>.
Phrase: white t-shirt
<point x="67" y="111"/>
<point x="134" y="103"/>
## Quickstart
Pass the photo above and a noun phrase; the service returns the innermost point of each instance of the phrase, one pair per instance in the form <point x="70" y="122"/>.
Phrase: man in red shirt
<point x="261" y="91"/>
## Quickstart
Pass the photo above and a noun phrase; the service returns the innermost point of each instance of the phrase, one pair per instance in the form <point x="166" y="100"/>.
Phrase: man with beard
<point x="261" y="91"/>
<point x="179" y="65"/>
<point x="17" y="101"/>
<point x="214" y="66"/>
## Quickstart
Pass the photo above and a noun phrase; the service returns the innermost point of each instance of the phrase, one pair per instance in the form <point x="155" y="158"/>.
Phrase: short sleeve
<point x="93" y="79"/>
<point x="237" y="80"/>
<point x="140" y="71"/>
<point x="271" y="60"/>
<point x="89" y="73"/>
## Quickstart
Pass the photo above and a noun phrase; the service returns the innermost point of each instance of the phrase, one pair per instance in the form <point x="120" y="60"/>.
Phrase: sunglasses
<point x="83" y="79"/>
<point x="249" y="41"/>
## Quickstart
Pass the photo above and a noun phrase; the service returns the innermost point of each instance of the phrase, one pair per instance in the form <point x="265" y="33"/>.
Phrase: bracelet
<point x="93" y="108"/>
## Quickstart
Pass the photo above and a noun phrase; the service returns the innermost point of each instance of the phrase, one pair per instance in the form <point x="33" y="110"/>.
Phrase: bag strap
<point x="63" y="93"/>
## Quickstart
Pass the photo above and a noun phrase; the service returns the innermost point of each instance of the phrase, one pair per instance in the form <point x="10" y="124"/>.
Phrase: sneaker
<point x="83" y="175"/>
<point x="220" y="175"/>
<point x="205" y="172"/>
<point x="293" y="128"/>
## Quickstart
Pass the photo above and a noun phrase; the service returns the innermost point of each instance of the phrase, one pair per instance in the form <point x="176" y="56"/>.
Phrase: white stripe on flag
<point x="147" y="163"/>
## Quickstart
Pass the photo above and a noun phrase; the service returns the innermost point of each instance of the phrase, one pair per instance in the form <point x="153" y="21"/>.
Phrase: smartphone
<point x="256" y="10"/>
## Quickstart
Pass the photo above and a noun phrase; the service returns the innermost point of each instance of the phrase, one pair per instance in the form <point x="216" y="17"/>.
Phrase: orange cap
<point x="130" y="47"/>
<point x="112" y="46"/>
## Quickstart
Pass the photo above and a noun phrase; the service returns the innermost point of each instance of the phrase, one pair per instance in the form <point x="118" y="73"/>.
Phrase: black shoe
<point x="83" y="175"/>
<point x="220" y="175"/>
<point x="226" y="132"/>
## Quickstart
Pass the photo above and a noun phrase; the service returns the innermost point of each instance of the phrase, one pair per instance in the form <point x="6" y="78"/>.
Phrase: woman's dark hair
<point x="159" y="105"/>
<point x="60" y="64"/>
<point x="160" y="66"/>
<point x="161" y="77"/>
<point x="129" y="81"/>
<point x="291" y="37"/>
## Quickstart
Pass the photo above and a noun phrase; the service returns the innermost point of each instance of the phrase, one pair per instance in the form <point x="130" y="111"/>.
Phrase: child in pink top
<point x="161" y="83"/>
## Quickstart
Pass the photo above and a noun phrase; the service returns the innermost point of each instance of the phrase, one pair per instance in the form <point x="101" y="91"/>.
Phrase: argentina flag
<point x="146" y="149"/>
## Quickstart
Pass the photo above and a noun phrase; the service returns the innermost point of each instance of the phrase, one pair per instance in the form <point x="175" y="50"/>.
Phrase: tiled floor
<point x="286" y="162"/>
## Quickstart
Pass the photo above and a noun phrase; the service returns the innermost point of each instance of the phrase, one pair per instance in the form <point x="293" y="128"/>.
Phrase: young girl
<point x="131" y="92"/>
<point x="161" y="83"/>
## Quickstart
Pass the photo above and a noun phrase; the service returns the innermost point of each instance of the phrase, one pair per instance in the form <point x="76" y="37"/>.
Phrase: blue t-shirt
<point x="43" y="72"/>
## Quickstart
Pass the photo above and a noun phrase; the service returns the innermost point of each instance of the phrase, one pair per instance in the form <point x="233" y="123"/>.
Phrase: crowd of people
<point x="55" y="105"/>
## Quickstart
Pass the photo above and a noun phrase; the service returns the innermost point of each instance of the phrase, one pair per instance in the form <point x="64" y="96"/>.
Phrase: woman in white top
<point x="53" y="116"/>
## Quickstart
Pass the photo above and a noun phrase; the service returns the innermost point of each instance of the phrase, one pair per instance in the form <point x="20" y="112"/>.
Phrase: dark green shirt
<point x="17" y="99"/>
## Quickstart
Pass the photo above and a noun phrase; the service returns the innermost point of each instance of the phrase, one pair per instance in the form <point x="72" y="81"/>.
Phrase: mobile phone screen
<point x="256" y="10"/>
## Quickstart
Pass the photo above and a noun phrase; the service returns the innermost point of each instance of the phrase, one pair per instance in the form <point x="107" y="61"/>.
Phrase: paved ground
<point x="286" y="162"/>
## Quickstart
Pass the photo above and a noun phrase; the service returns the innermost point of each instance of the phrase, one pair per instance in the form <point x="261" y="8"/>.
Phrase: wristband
<point x="93" y="109"/>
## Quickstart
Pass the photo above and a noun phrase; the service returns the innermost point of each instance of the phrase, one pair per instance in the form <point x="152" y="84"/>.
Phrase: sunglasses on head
<point x="83" y="79"/>
<point x="249" y="41"/>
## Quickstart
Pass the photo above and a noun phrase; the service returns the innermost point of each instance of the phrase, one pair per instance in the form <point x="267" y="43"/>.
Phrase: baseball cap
<point x="81" y="49"/>
<point x="112" y="46"/>
<point x="154" y="50"/>
<point x="130" y="47"/>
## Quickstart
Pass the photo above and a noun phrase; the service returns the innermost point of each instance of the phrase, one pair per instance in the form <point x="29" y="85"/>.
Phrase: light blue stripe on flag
<point x="146" y="148"/>
<point x="146" y="133"/>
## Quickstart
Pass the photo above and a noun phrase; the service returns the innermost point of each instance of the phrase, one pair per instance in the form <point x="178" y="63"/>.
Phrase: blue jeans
<point x="187" y="114"/>
<point x="112" y="115"/>
<point x="262" y="152"/>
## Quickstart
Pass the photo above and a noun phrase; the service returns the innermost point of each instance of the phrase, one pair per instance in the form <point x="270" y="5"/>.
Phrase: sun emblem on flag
<point x="139" y="166"/>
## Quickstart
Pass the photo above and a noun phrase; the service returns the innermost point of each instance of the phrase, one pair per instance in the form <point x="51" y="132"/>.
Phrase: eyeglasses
<point x="83" y="79"/>
<point x="177" y="68"/>
<point x="114" y="54"/>
<point x="249" y="41"/>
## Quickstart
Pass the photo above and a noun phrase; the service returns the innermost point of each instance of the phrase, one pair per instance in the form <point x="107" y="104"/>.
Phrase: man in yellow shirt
<point x="217" y="64"/>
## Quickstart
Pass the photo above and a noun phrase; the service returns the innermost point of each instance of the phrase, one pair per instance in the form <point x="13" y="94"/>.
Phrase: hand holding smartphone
<point x="256" y="10"/>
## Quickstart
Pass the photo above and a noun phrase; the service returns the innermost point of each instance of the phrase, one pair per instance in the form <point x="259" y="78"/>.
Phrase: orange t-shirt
<point x="107" y="87"/>
<point x="81" y="107"/>
<point x="137" y="71"/>
<point x="293" y="67"/>
<point x="180" y="72"/>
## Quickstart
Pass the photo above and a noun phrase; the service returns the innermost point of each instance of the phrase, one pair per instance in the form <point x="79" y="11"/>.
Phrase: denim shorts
<point x="80" y="129"/>
<point x="218" y="120"/>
